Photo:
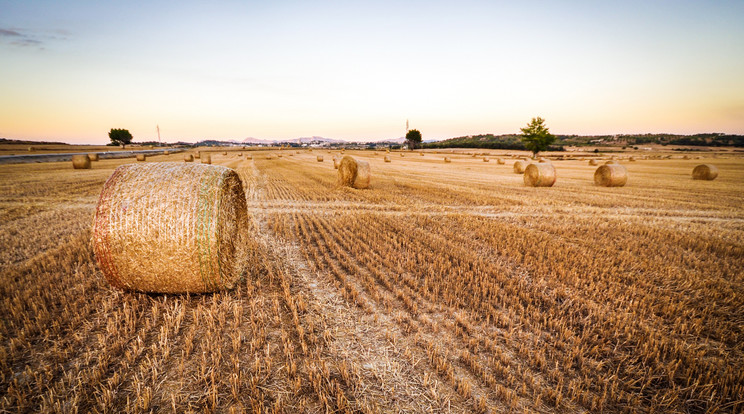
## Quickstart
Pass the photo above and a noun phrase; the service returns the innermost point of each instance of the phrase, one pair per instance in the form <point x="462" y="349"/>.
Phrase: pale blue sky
<point x="357" y="70"/>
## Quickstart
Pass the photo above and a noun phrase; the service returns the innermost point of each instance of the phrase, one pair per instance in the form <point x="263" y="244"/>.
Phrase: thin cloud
<point x="10" y="33"/>
<point x="17" y="38"/>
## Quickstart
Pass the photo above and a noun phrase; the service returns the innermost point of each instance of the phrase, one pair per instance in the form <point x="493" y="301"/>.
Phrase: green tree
<point x="120" y="136"/>
<point x="413" y="138"/>
<point x="536" y="136"/>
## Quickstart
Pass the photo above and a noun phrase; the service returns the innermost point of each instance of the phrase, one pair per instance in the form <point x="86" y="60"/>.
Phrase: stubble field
<point x="445" y="287"/>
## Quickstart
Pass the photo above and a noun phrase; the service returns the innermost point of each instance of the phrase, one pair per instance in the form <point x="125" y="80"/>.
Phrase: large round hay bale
<point x="353" y="173"/>
<point x="519" y="166"/>
<point x="447" y="159"/>
<point x="387" y="159"/>
<point x="93" y="156"/>
<point x="705" y="172"/>
<point x="319" y="158"/>
<point x="81" y="162"/>
<point x="485" y="159"/>
<point x="141" y="157"/>
<point x="206" y="159"/>
<point x="171" y="228"/>
<point x="592" y="162"/>
<point x="539" y="175"/>
<point x="188" y="158"/>
<point x="611" y="175"/>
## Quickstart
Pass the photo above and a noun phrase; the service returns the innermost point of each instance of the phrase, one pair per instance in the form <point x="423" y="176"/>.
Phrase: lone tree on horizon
<point x="120" y="136"/>
<point x="413" y="137"/>
<point x="536" y="136"/>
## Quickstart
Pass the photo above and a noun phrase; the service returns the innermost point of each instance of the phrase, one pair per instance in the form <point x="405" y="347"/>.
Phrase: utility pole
<point x="158" y="128"/>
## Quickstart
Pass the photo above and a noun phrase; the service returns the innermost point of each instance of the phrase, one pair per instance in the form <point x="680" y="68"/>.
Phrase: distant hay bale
<point x="206" y="159"/>
<point x="519" y="166"/>
<point x="297" y="152"/>
<point x="31" y="149"/>
<point x="421" y="154"/>
<point x="592" y="162"/>
<point x="224" y="152"/>
<point x="279" y="155"/>
<point x="93" y="156"/>
<point x="631" y="159"/>
<point x="250" y="157"/>
<point x="188" y="158"/>
<point x="81" y="162"/>
<point x="197" y="154"/>
<point x="319" y="158"/>
<point x="387" y="159"/>
<point x="611" y="175"/>
<point x="353" y="173"/>
<point x="240" y="154"/>
<point x="402" y="155"/>
<point x="485" y="159"/>
<point x="336" y="162"/>
<point x="705" y="172"/>
<point x="686" y="157"/>
<point x="543" y="161"/>
<point x="500" y="161"/>
<point x="611" y="162"/>
<point x="447" y="159"/>
<point x="539" y="175"/>
<point x="141" y="157"/>
<point x="166" y="152"/>
<point x="171" y="228"/>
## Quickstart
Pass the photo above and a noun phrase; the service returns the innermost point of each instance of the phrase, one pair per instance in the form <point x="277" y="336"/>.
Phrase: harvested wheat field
<point x="443" y="287"/>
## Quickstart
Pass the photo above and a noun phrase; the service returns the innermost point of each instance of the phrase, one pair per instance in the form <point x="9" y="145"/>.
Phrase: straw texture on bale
<point x="206" y="159"/>
<point x="93" y="156"/>
<point x="611" y="175"/>
<point x="447" y="159"/>
<point x="353" y="173"/>
<point x="519" y="166"/>
<point x="141" y="157"/>
<point x="592" y="162"/>
<point x="80" y="162"/>
<point x="188" y="158"/>
<point x="705" y="172"/>
<point x="539" y="175"/>
<point x="171" y="228"/>
<point x="319" y="158"/>
<point x="387" y="158"/>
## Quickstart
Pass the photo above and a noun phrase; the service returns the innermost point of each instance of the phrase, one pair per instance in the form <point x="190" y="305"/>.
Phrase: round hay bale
<point x="336" y="162"/>
<point x="705" y="172"/>
<point x="631" y="159"/>
<point x="421" y="154"/>
<point x="279" y="155"/>
<point x="592" y="162"/>
<point x="188" y="158"/>
<point x="485" y="159"/>
<point x="93" y="156"/>
<point x="686" y="157"/>
<point x="353" y="173"/>
<point x="31" y="149"/>
<point x="611" y="162"/>
<point x="224" y="152"/>
<point x="297" y="152"/>
<point x="519" y="166"/>
<point x="250" y="157"/>
<point x="81" y="162"/>
<point x="544" y="161"/>
<point x="240" y="154"/>
<point x="141" y="157"/>
<point x="500" y="161"/>
<point x="166" y="152"/>
<point x="387" y="159"/>
<point x="171" y="228"/>
<point x="539" y="175"/>
<point x="402" y="155"/>
<point x="197" y="154"/>
<point x="447" y="159"/>
<point x="319" y="158"/>
<point x="206" y="159"/>
<point x="611" y="175"/>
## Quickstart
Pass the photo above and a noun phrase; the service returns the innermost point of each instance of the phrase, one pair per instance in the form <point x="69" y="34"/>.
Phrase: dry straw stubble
<point x="705" y="172"/>
<point x="539" y="175"/>
<point x="81" y="162"/>
<point x="171" y="228"/>
<point x="611" y="175"/>
<point x="353" y="173"/>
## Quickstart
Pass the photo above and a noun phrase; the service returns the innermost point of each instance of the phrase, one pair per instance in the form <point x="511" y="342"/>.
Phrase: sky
<point x="72" y="70"/>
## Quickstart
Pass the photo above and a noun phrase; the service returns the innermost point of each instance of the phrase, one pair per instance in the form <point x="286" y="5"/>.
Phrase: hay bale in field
<point x="611" y="162"/>
<point x="166" y="152"/>
<point x="81" y="162"/>
<point x="31" y="149"/>
<point x="421" y="154"/>
<point x="279" y="155"/>
<point x="519" y="166"/>
<point x="336" y="162"/>
<point x="539" y="175"/>
<point x="141" y="157"/>
<point x="171" y="228"/>
<point x="250" y="157"/>
<point x="197" y="154"/>
<point x="387" y="159"/>
<point x="240" y="154"/>
<point x="544" y="161"/>
<point x="188" y="158"/>
<point x="705" y="172"/>
<point x="93" y="156"/>
<point x="224" y="152"/>
<point x="686" y="157"/>
<point x="402" y="155"/>
<point x="611" y="175"/>
<point x="353" y="173"/>
<point x="500" y="161"/>
<point x="319" y="158"/>
<point x="206" y="159"/>
<point x="485" y="159"/>
<point x="631" y="159"/>
<point x="447" y="159"/>
<point x="297" y="152"/>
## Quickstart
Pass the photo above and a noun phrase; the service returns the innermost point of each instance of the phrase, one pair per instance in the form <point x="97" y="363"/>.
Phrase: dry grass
<point x="442" y="288"/>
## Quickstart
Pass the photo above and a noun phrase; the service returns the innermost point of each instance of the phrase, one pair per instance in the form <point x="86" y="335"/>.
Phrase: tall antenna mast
<point x="406" y="126"/>
<point x="158" y="127"/>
